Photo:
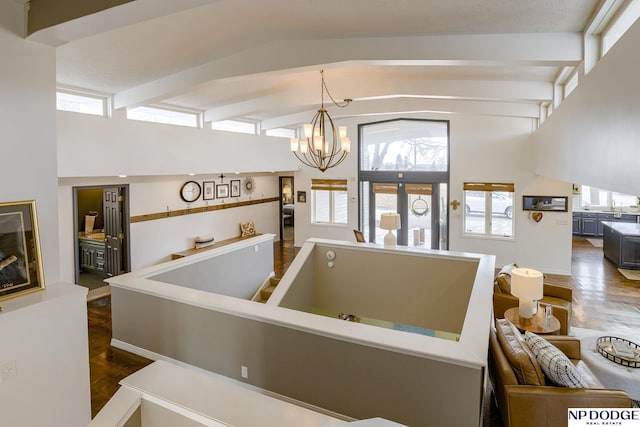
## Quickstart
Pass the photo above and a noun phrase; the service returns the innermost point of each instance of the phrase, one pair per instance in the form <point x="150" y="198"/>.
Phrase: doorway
<point x="287" y="209"/>
<point x="101" y="230"/>
<point x="422" y="208"/>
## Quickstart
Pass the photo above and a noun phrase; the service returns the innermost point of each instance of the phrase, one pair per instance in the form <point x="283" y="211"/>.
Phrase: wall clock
<point x="190" y="191"/>
<point x="250" y="184"/>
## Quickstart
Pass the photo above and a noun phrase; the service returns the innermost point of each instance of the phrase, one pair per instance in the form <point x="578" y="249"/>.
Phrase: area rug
<point x="630" y="274"/>
<point x="598" y="243"/>
<point x="609" y="373"/>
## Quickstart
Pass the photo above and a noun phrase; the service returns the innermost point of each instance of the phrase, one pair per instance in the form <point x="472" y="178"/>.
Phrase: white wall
<point x="154" y="241"/>
<point x="483" y="148"/>
<point x="43" y="333"/>
<point x="27" y="123"/>
<point x="98" y="146"/>
<point x="592" y="138"/>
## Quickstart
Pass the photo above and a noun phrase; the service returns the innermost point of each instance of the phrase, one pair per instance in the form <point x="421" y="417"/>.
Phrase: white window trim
<point x="488" y="220"/>
<point x="107" y="99"/>
<point x="331" y="221"/>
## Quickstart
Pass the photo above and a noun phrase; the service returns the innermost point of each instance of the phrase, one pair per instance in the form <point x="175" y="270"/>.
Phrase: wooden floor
<point x="602" y="299"/>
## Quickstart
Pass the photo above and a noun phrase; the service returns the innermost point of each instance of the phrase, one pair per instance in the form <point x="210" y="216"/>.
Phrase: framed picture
<point x="20" y="259"/>
<point x="302" y="196"/>
<point x="545" y="203"/>
<point x="208" y="190"/>
<point x="235" y="188"/>
<point x="222" y="191"/>
<point x="359" y="236"/>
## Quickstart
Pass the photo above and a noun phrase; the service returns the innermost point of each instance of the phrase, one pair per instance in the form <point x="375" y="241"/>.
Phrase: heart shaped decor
<point x="537" y="216"/>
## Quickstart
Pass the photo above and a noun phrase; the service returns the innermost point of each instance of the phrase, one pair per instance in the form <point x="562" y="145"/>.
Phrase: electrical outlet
<point x="244" y="371"/>
<point x="8" y="369"/>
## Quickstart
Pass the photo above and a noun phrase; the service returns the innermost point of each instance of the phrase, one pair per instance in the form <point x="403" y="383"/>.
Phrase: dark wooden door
<point x="113" y="230"/>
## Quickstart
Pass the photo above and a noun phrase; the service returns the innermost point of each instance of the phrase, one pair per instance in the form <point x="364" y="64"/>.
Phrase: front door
<point x="422" y="209"/>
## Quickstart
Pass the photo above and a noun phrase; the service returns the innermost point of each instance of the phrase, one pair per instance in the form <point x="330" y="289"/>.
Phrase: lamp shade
<point x="390" y="221"/>
<point x="527" y="284"/>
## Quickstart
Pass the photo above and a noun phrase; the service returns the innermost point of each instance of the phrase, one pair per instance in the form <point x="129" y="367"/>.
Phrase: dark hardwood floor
<point x="603" y="299"/>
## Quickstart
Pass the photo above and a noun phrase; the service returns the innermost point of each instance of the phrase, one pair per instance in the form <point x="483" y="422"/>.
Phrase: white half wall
<point x="90" y="146"/>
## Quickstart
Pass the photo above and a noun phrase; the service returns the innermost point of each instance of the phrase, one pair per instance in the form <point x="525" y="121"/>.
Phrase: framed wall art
<point x="302" y="197"/>
<point x="208" y="190"/>
<point x="545" y="203"/>
<point x="235" y="188"/>
<point x="20" y="260"/>
<point x="222" y="191"/>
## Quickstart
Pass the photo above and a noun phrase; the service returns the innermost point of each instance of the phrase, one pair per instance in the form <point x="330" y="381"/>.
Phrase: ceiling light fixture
<point x="323" y="147"/>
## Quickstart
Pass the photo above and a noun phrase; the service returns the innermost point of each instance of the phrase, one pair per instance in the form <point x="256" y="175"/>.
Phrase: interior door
<point x="113" y="199"/>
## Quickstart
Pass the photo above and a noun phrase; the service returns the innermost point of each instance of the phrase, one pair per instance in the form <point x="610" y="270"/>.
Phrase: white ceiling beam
<point x="110" y="19"/>
<point x="403" y="105"/>
<point x="549" y="49"/>
<point x="384" y="86"/>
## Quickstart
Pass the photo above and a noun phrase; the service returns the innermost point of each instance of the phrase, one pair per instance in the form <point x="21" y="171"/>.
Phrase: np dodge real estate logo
<point x="625" y="417"/>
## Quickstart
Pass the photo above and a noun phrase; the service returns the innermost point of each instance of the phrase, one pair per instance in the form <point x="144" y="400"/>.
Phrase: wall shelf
<point x="200" y="209"/>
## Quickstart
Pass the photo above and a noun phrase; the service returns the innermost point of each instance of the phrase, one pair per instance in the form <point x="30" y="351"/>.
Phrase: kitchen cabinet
<point x="577" y="229"/>
<point x="591" y="223"/>
<point x="622" y="244"/>
<point x="92" y="254"/>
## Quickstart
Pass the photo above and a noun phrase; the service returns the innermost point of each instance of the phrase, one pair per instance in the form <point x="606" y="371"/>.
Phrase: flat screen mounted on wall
<point x="544" y="203"/>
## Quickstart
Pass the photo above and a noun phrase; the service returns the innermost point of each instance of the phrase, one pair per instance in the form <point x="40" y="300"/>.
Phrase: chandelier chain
<point x="324" y="87"/>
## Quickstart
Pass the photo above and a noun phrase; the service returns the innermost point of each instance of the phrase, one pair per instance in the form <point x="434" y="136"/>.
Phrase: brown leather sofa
<point x="560" y="298"/>
<point x="522" y="405"/>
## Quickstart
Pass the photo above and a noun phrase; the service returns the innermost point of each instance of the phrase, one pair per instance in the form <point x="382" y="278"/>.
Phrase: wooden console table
<point x="193" y="251"/>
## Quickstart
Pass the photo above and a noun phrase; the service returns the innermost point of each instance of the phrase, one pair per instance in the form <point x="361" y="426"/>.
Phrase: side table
<point x="537" y="324"/>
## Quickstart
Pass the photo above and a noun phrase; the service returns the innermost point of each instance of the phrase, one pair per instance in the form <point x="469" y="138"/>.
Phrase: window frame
<point x="104" y="98"/>
<point x="488" y="189"/>
<point x="334" y="188"/>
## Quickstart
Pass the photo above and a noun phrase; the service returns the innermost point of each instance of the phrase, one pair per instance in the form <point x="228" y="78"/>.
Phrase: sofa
<point x="527" y="397"/>
<point x="558" y="296"/>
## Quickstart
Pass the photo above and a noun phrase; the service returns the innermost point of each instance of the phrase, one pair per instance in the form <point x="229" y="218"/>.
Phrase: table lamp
<point x="527" y="285"/>
<point x="390" y="221"/>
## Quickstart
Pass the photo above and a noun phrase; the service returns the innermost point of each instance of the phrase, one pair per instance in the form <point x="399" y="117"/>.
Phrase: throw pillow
<point x="503" y="279"/>
<point x="247" y="229"/>
<point x="521" y="359"/>
<point x="554" y="363"/>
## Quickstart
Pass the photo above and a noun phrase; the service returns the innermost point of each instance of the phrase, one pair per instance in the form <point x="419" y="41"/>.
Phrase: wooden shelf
<point x="193" y="251"/>
<point x="200" y="209"/>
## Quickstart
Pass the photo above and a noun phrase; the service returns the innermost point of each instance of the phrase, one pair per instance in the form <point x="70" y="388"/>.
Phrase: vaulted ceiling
<point x="260" y="60"/>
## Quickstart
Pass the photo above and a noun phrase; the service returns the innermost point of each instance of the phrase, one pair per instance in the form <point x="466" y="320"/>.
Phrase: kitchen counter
<point x="622" y="243"/>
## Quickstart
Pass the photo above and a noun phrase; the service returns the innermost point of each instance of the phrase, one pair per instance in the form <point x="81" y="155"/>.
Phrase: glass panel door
<point x="383" y="200"/>
<point x="420" y="207"/>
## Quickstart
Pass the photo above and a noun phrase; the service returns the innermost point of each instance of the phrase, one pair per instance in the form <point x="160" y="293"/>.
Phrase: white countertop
<point x="624" y="228"/>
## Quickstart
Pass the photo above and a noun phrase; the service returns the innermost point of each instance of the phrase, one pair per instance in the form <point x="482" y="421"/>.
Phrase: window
<point x="164" y="115"/>
<point x="597" y="198"/>
<point x="234" y="126"/>
<point x="281" y="132"/>
<point x="620" y="25"/>
<point x="496" y="198"/>
<point x="405" y="145"/>
<point x="329" y="201"/>
<point x="79" y="102"/>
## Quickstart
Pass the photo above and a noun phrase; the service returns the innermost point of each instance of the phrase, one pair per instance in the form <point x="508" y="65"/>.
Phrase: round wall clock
<point x="190" y="191"/>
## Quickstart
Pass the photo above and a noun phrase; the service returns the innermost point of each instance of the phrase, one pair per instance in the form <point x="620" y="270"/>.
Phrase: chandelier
<point x="323" y="146"/>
